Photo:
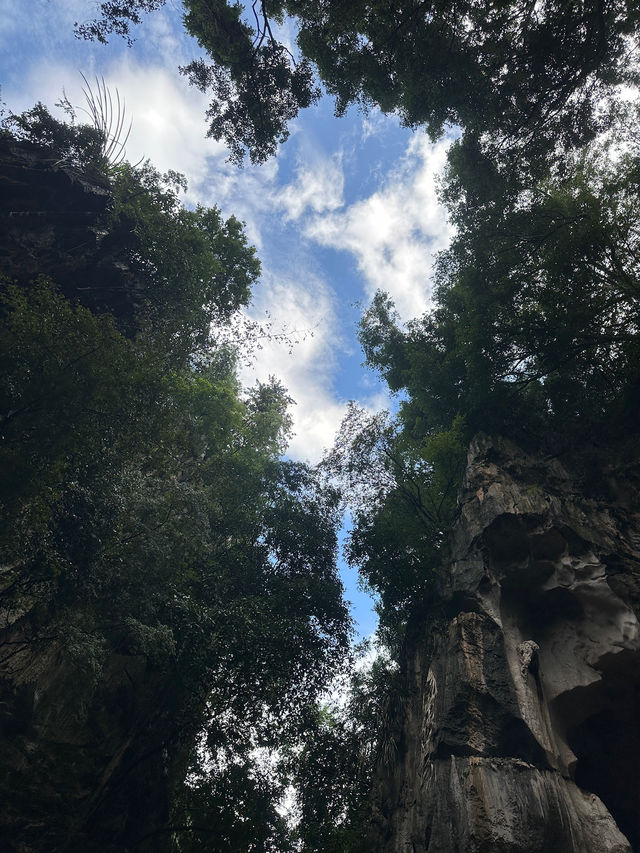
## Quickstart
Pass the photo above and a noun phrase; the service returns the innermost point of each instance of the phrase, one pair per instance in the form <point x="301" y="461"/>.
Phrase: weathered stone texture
<point x="83" y="766"/>
<point x="521" y="732"/>
<point x="52" y="218"/>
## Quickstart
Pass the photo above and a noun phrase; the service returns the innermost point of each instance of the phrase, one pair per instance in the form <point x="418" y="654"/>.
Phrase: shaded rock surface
<point x="76" y="776"/>
<point x="52" y="221"/>
<point x="87" y="761"/>
<point x="521" y="727"/>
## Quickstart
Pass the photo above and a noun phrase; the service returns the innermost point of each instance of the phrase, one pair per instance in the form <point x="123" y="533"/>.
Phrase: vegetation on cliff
<point x="150" y="521"/>
<point x="151" y="512"/>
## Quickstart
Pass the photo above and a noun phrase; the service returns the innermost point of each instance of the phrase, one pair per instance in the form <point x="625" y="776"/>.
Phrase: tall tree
<point x="169" y="582"/>
<point x="534" y="74"/>
<point x="536" y="317"/>
<point x="334" y="771"/>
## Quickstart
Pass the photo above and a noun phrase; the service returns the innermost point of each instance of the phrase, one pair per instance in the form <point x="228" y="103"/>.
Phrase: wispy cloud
<point x="375" y="122"/>
<point x="19" y="18"/>
<point x="306" y="305"/>
<point x="395" y="233"/>
<point x="318" y="187"/>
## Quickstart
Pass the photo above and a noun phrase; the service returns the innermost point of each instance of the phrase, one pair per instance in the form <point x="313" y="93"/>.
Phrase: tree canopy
<point x="135" y="462"/>
<point x="535" y="75"/>
<point x="148" y="512"/>
<point x="536" y="317"/>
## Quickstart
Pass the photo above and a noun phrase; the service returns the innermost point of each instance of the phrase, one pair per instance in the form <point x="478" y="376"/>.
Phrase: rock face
<point x="52" y="222"/>
<point x="521" y="730"/>
<point x="81" y="778"/>
<point x="83" y="766"/>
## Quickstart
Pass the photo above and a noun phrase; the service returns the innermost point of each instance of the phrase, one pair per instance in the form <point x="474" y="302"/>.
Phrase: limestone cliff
<point x="75" y="776"/>
<point x="520" y="730"/>
<point x="52" y="222"/>
<point x="86" y="763"/>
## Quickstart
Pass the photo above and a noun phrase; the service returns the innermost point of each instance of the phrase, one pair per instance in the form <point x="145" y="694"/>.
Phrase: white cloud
<point x="164" y="35"/>
<point x="318" y="187"/>
<point x="169" y="129"/>
<point x="376" y="122"/>
<point x="168" y="126"/>
<point x="167" y="113"/>
<point x="307" y="307"/>
<point x="248" y="194"/>
<point x="395" y="233"/>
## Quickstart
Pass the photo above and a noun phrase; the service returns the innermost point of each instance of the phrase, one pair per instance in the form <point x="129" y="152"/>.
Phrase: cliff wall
<point x="53" y="222"/>
<point x="520" y="730"/>
<point x="87" y="761"/>
<point x="76" y="776"/>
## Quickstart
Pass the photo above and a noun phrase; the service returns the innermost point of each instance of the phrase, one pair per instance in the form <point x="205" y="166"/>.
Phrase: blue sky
<point x="346" y="207"/>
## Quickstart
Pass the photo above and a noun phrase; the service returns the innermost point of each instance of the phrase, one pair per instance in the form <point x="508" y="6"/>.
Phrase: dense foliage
<point x="400" y="483"/>
<point x="191" y="268"/>
<point x="537" y="74"/>
<point x="147" y="510"/>
<point x="536" y="320"/>
<point x="333" y="775"/>
<point x="534" y="332"/>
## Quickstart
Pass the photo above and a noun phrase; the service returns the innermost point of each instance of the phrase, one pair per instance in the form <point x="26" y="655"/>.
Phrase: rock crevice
<point x="521" y="733"/>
